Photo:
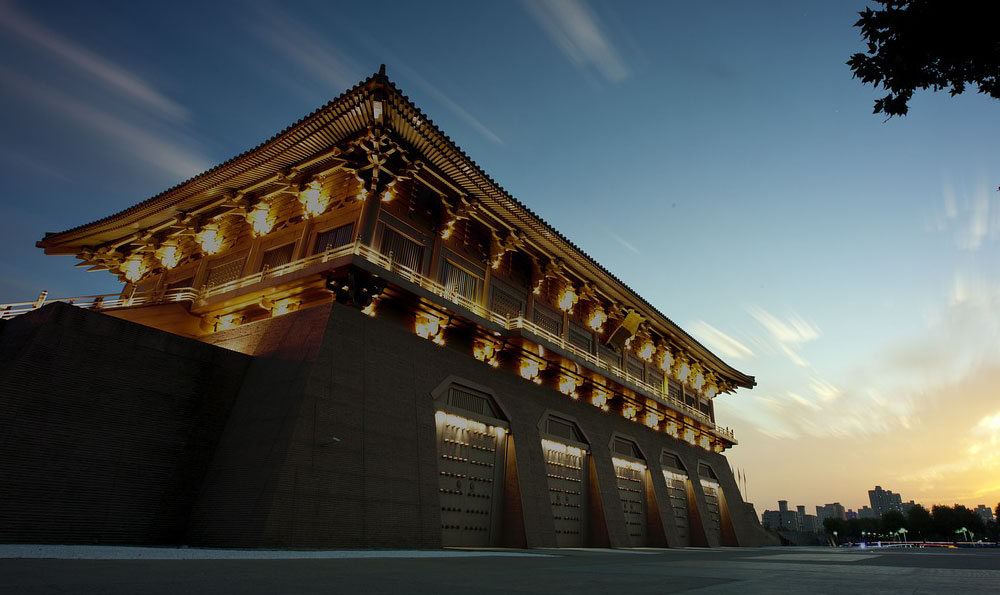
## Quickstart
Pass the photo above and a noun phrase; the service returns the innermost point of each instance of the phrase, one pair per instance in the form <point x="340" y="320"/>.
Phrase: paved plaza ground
<point x="30" y="570"/>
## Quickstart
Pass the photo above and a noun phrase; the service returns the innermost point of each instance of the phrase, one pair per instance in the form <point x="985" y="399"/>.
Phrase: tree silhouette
<point x="928" y="44"/>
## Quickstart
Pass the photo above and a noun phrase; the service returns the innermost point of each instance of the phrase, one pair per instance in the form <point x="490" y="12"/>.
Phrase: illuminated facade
<point x="464" y="374"/>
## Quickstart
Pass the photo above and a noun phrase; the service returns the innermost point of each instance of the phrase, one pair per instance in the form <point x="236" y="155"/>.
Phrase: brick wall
<point x="106" y="427"/>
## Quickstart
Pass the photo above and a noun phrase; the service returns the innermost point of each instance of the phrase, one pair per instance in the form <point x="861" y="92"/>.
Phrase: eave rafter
<point x="392" y="141"/>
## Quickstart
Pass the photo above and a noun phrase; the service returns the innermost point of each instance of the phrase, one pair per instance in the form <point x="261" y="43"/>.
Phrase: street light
<point x="902" y="531"/>
<point x="964" y="531"/>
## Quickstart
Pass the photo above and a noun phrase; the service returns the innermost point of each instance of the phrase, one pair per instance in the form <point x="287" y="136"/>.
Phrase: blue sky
<point x="718" y="157"/>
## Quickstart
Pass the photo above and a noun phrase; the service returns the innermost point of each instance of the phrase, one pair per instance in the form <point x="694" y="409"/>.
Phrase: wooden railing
<point x="103" y="302"/>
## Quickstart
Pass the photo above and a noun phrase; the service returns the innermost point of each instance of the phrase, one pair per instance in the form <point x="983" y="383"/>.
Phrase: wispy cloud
<point x="334" y="68"/>
<point x="971" y="217"/>
<point x="159" y="151"/>
<point x="578" y="32"/>
<point x="719" y="341"/>
<point x="306" y="48"/>
<point x="447" y="102"/>
<point x="624" y="243"/>
<point x="99" y="69"/>
<point x="787" y="334"/>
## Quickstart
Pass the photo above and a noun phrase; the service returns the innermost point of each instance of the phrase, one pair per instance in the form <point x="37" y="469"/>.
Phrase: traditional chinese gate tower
<point x="425" y="361"/>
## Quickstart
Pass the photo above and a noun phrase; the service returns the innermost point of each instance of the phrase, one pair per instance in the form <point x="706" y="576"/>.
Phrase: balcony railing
<point x="104" y="302"/>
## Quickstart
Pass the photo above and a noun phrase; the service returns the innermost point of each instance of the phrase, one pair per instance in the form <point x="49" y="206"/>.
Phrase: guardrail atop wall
<point x="109" y="301"/>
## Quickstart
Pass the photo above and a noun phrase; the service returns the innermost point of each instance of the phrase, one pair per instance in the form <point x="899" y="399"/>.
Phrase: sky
<point x="718" y="157"/>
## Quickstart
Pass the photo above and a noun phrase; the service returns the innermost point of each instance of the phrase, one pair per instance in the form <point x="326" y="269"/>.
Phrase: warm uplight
<point x="261" y="219"/>
<point x="228" y="321"/>
<point x="449" y="228"/>
<point x="718" y="447"/>
<point x="705" y="442"/>
<point x="530" y="368"/>
<point x="168" y="255"/>
<point x="652" y="420"/>
<point x="683" y="372"/>
<point x="672" y="429"/>
<point x="689" y="435"/>
<point x="559" y="447"/>
<point x="369" y="310"/>
<point x="567" y="299"/>
<point x="430" y="327"/>
<point x="600" y="399"/>
<point x="210" y="239"/>
<point x="646" y="351"/>
<point x="282" y="307"/>
<point x="699" y="379"/>
<point x="634" y="465"/>
<point x="133" y="268"/>
<point x="363" y="194"/>
<point x="711" y="390"/>
<point x="666" y="360"/>
<point x="312" y="199"/>
<point x="597" y="319"/>
<point x="629" y="412"/>
<point x="568" y="385"/>
<point x="463" y="423"/>
<point x="486" y="352"/>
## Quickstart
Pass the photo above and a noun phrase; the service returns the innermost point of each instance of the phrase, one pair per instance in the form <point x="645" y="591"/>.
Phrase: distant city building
<point x="850" y="515"/>
<point x="831" y="511"/>
<point x="812" y="524"/>
<point x="883" y="501"/>
<point x="783" y="518"/>
<point x="867" y="513"/>
<point x="908" y="505"/>
<point x="985" y="512"/>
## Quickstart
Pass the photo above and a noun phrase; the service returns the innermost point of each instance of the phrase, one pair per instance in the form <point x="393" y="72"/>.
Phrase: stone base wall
<point x="107" y="427"/>
<point x="320" y="432"/>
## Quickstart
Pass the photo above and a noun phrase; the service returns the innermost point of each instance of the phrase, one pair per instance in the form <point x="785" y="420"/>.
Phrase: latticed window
<point x="672" y="461"/>
<point x="627" y="448"/>
<point x="181" y="283"/>
<point x="402" y="250"/>
<point x="332" y="239"/>
<point x="224" y="271"/>
<point x="547" y="319"/>
<point x="275" y="257"/>
<point x="581" y="337"/>
<point x="505" y="303"/>
<point x="674" y="391"/>
<point x="635" y="367"/>
<point x="609" y="356"/>
<point x="655" y="378"/>
<point x="470" y="400"/>
<point x="562" y="428"/>
<point x="458" y="280"/>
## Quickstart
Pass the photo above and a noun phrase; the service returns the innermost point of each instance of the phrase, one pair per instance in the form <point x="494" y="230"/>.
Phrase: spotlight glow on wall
<point x="210" y="239"/>
<point x="169" y="255"/>
<point x="645" y="352"/>
<point x="261" y="219"/>
<point x="429" y="327"/>
<point x="567" y="299"/>
<point x="597" y="319"/>
<point x="312" y="199"/>
<point x="134" y="267"/>
<point x="530" y="368"/>
<point x="568" y="385"/>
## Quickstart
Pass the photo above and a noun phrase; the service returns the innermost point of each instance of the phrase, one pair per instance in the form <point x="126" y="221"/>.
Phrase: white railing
<point x="102" y="302"/>
<point x="279" y="271"/>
